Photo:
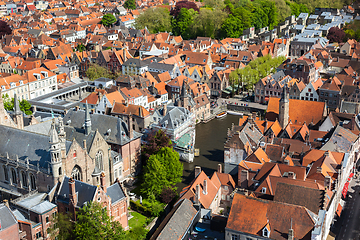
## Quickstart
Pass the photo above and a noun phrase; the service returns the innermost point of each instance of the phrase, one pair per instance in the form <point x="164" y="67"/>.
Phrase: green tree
<point x="95" y="71"/>
<point x="162" y="170"/>
<point x="25" y="106"/>
<point x="155" y="19"/>
<point x="108" y="20"/>
<point x="130" y="4"/>
<point x="80" y="47"/>
<point x="62" y="227"/>
<point x="183" y="23"/>
<point x="94" y="222"/>
<point x="208" y="22"/>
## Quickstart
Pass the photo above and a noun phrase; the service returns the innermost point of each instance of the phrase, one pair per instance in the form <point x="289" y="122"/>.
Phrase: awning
<point x="345" y="189"/>
<point x="266" y="99"/>
<point x="339" y="209"/>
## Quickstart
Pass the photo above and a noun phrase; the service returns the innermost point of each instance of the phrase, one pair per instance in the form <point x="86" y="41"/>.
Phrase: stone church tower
<point x="284" y="108"/>
<point x="55" y="151"/>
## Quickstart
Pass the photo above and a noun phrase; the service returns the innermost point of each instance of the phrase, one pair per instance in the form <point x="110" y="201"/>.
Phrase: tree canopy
<point x="4" y="29"/>
<point x="108" y="20"/>
<point x="95" y="71"/>
<point x="93" y="222"/>
<point x="183" y="4"/>
<point x="336" y="34"/>
<point x="257" y="69"/>
<point x="162" y="170"/>
<point x="25" y="106"/>
<point x="130" y="4"/>
<point x="155" y="19"/>
<point x="155" y="141"/>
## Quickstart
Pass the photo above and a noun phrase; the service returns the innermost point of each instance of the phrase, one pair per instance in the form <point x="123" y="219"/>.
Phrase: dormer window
<point x="263" y="190"/>
<point x="12" y="85"/>
<point x="266" y="232"/>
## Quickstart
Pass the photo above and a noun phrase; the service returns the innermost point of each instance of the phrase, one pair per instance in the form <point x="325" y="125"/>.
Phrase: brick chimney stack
<point x="131" y="132"/>
<point x="219" y="168"/>
<point x="103" y="182"/>
<point x="205" y="187"/>
<point x="197" y="194"/>
<point x="72" y="193"/>
<point x="197" y="171"/>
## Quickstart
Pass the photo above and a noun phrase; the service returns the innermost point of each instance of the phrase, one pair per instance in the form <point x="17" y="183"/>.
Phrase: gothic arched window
<point x="32" y="182"/>
<point x="99" y="160"/>
<point x="6" y="174"/>
<point x="76" y="173"/>
<point x="13" y="175"/>
<point x="24" y="179"/>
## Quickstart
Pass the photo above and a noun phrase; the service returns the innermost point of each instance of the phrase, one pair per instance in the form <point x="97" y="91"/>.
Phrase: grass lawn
<point x="137" y="220"/>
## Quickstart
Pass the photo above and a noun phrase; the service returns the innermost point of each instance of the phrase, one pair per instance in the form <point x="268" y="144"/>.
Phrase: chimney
<point x="327" y="182"/>
<point x="102" y="181"/>
<point x="131" y="132"/>
<point x="84" y="143"/>
<point x="254" y="115"/>
<point x="197" y="171"/>
<point x="291" y="234"/>
<point x="219" y="169"/>
<point x="124" y="54"/>
<point x="72" y="193"/>
<point x="197" y="194"/>
<point x="244" y="178"/>
<point x="164" y="109"/>
<point x="205" y="187"/>
<point x="6" y="202"/>
<point x="291" y="175"/>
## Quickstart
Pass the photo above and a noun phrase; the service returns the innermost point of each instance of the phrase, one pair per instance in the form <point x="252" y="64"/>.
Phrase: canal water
<point x="210" y="139"/>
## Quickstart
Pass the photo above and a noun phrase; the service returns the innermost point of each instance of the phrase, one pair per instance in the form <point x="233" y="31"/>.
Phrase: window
<point x="263" y="190"/>
<point x="32" y="182"/>
<point x="6" y="174"/>
<point x="24" y="179"/>
<point x="234" y="237"/>
<point x="266" y="232"/>
<point x="60" y="171"/>
<point x="13" y="176"/>
<point x="99" y="160"/>
<point x="76" y="173"/>
<point x="74" y="153"/>
<point x="38" y="235"/>
<point x="225" y="188"/>
<point x="47" y="219"/>
<point x="223" y="197"/>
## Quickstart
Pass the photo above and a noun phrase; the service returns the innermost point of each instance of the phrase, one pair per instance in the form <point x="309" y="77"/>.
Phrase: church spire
<point x="87" y="119"/>
<point x="18" y="115"/>
<point x="16" y="105"/>
<point x="284" y="108"/>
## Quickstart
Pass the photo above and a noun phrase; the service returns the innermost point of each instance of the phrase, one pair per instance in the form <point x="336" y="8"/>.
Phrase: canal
<point x="210" y="139"/>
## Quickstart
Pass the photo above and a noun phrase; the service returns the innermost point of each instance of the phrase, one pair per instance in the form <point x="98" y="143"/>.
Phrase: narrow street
<point x="348" y="226"/>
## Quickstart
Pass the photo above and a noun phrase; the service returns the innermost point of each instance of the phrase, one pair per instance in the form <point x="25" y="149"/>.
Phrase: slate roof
<point x="341" y="140"/>
<point x="7" y="219"/>
<point x="175" y="116"/>
<point x="26" y="144"/>
<point x="177" y="222"/>
<point x="119" y="131"/>
<point x="84" y="191"/>
<point x="115" y="193"/>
